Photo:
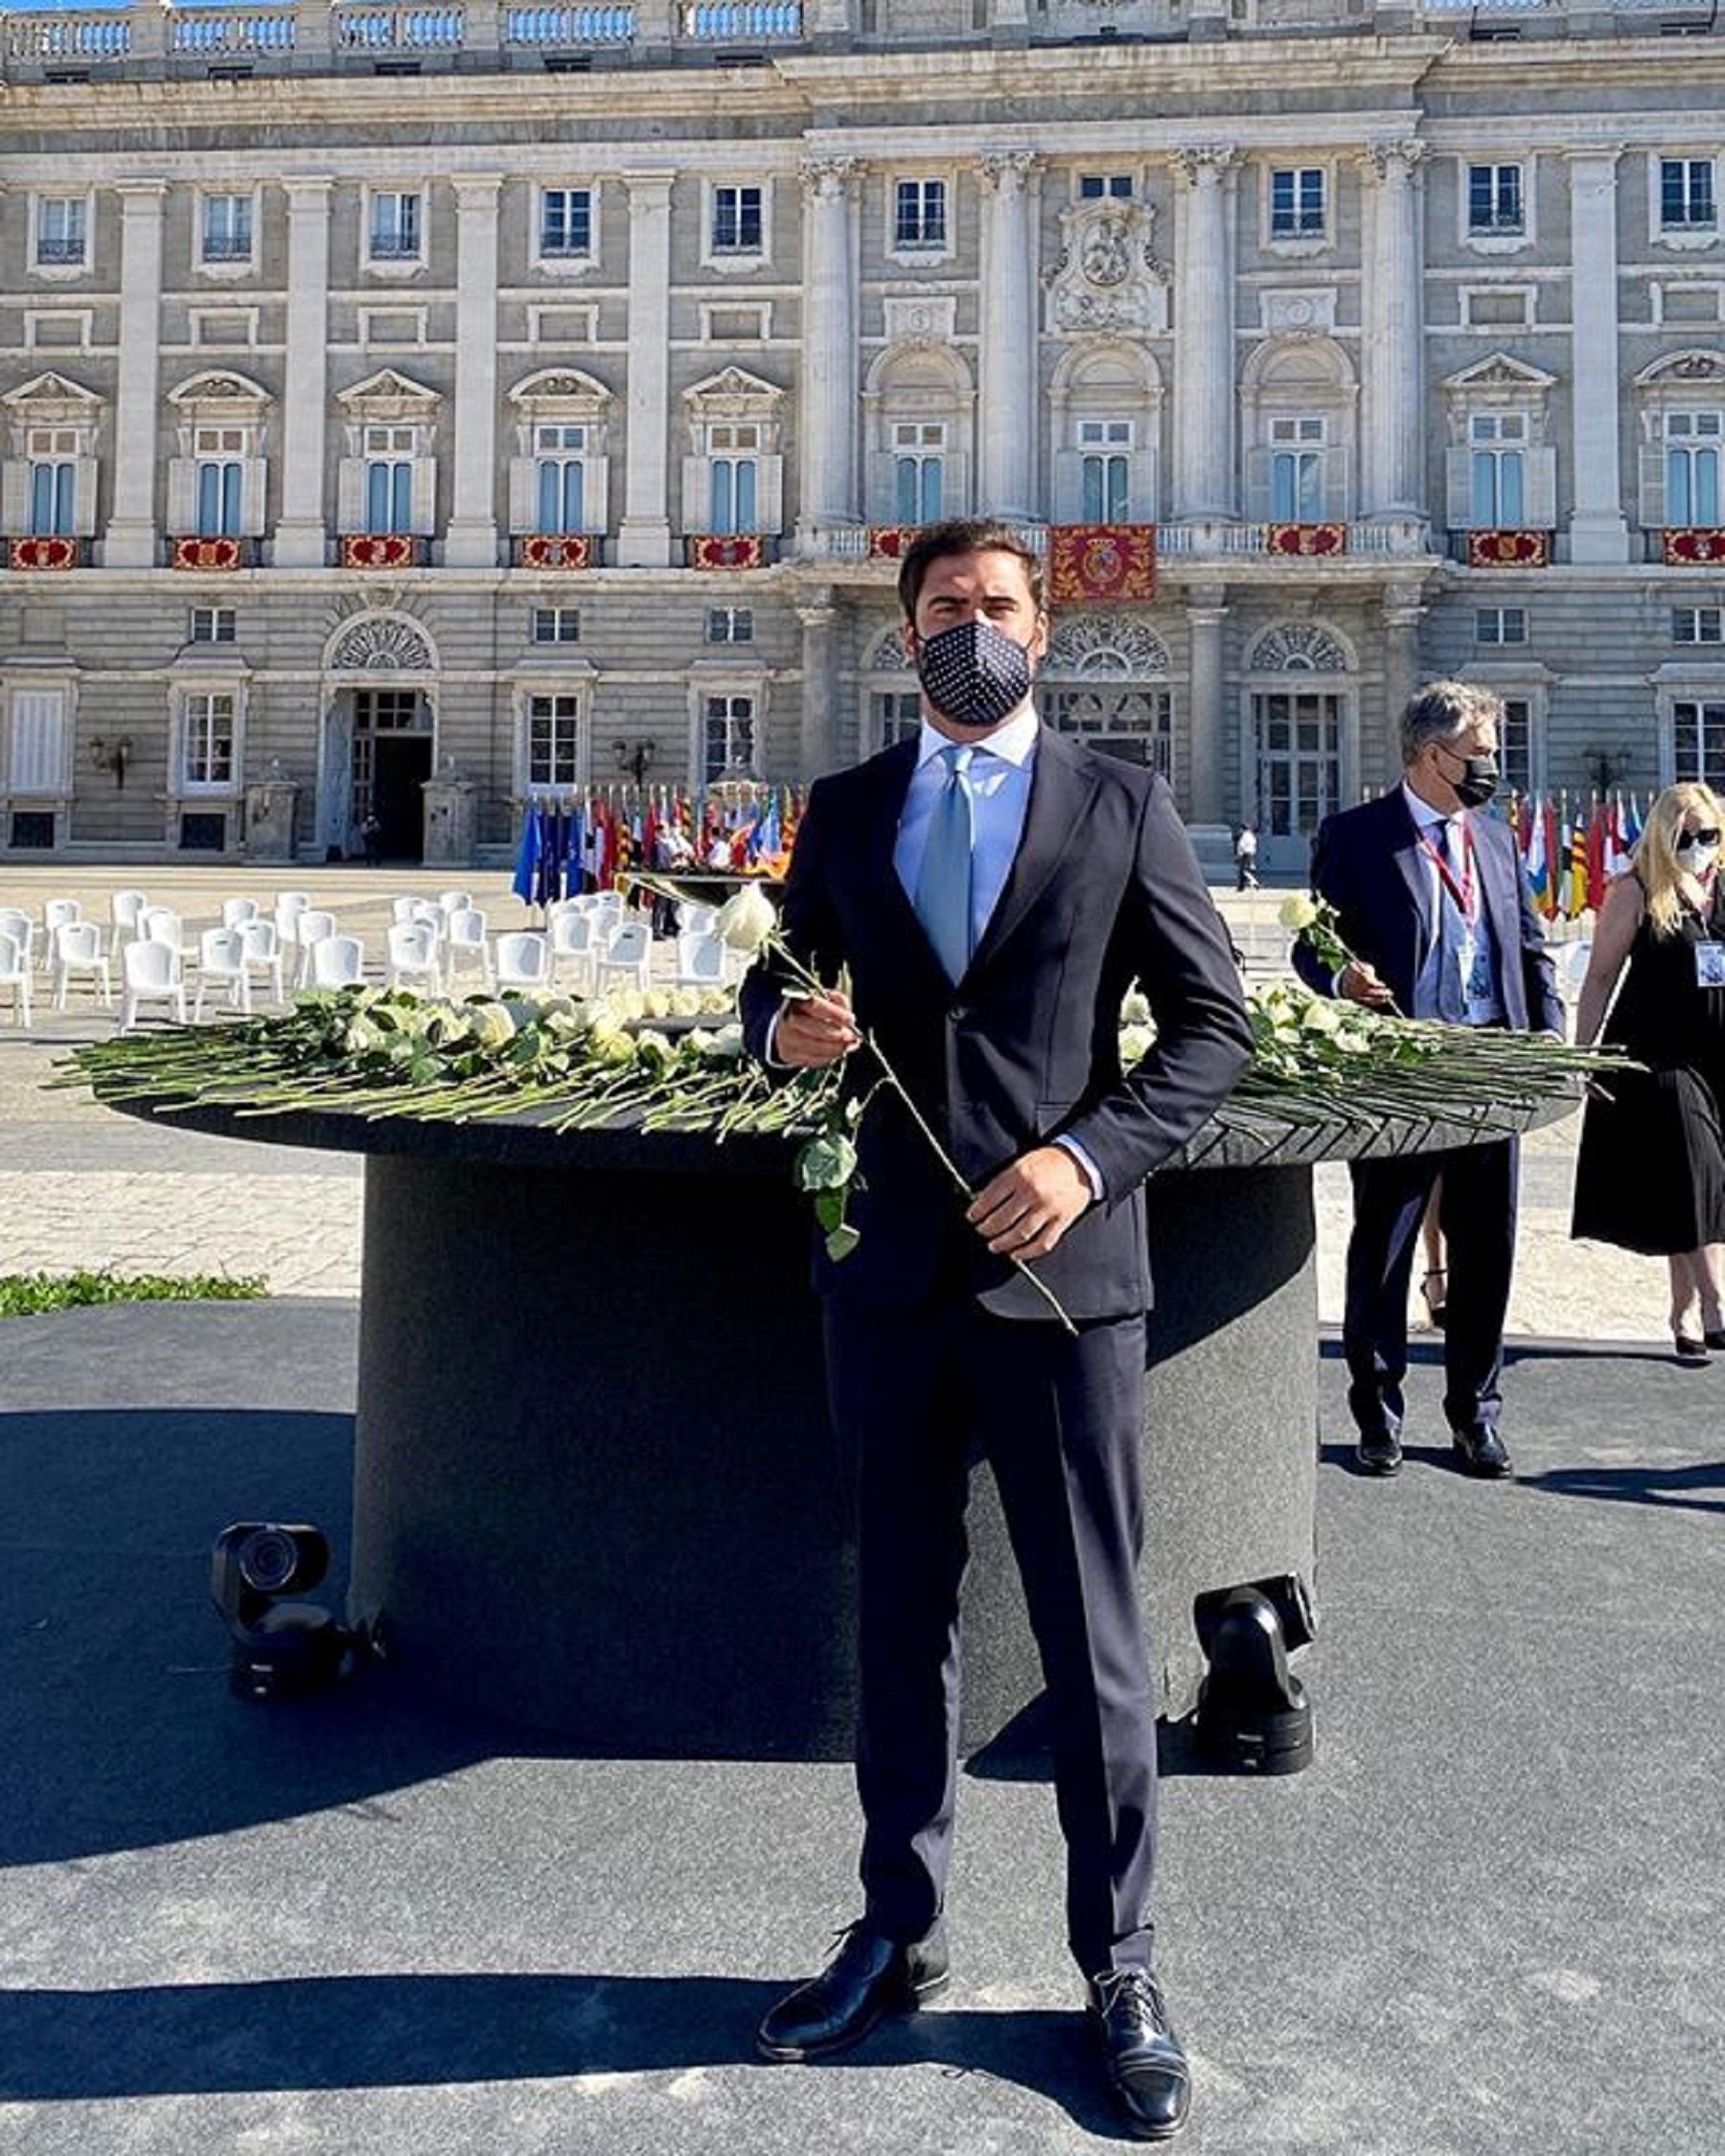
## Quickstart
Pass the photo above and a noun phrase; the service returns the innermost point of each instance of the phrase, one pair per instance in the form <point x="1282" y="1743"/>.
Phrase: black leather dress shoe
<point x="1378" y="1452"/>
<point x="1147" y="2070"/>
<point x="868" y="1978"/>
<point x="1481" y="1451"/>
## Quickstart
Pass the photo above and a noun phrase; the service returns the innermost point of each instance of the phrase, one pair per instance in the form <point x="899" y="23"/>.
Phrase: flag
<point x="1575" y="894"/>
<point x="527" y="873"/>
<point x="574" y="852"/>
<point x="1539" y="858"/>
<point x="1596" y="857"/>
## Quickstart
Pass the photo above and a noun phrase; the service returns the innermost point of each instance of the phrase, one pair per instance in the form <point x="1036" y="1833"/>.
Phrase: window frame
<point x="1498" y="640"/>
<point x="733" y="618"/>
<point x="399" y="261"/>
<point x="578" y="759"/>
<point x="730" y="259"/>
<point x="1701" y="618"/>
<point x="186" y="695"/>
<point x="1688" y="233"/>
<point x="918" y="247"/>
<point x="566" y="262"/>
<point x="1303" y="222"/>
<point x="217" y="616"/>
<point x="1496" y="239"/>
<point x="63" y="266"/>
<point x="1318" y="239"/>
<point x="217" y="266"/>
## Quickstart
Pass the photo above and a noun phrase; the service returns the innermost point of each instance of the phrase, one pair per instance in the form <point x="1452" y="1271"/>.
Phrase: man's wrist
<point x="1093" y="1174"/>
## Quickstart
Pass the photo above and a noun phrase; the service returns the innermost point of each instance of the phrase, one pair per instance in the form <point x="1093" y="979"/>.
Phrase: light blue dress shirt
<point x="1466" y="945"/>
<point x="999" y="784"/>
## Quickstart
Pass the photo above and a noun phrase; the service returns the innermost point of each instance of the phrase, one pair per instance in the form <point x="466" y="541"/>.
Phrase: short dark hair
<point x="1440" y="710"/>
<point x="964" y="534"/>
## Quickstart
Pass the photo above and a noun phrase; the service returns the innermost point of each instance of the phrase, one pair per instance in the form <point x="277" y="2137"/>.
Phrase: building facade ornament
<point x="1006" y="171"/>
<point x="382" y="644"/>
<point x="1108" y="275"/>
<point x="830" y="179"/>
<point x="1299" y="647"/>
<point x="1106" y="647"/>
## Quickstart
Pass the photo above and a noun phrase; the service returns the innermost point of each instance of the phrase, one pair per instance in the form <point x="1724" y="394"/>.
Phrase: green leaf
<point x="826" y="1162"/>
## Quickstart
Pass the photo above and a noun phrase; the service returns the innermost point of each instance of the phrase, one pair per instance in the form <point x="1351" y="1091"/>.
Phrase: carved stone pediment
<point x="1108" y="275"/>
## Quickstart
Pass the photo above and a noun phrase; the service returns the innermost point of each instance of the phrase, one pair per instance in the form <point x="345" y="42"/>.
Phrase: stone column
<point x="300" y="541"/>
<point x="1204" y="354"/>
<point x="644" y="540"/>
<point x="1392" y="476"/>
<point x="818" y="739"/>
<point x="1597" y="531"/>
<point x="132" y="538"/>
<point x="1006" y="461"/>
<point x="1402" y="610"/>
<point x="1206" y="610"/>
<point x="827" y="447"/>
<point x="471" y="542"/>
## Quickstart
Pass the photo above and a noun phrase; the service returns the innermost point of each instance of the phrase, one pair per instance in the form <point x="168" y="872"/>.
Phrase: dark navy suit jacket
<point x="1369" y="862"/>
<point x="1104" y="890"/>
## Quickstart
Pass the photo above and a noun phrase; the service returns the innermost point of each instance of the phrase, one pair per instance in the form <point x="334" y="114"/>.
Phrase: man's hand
<point x="1024" y="1210"/>
<point x="1361" y="985"/>
<point x="814" y="1030"/>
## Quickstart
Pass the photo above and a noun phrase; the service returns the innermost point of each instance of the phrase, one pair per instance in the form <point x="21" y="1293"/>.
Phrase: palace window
<point x="1105" y="467"/>
<point x="210" y="625"/>
<point x="48" y="480"/>
<point x="560" y="478"/>
<point x="53" y="481"/>
<point x="556" y="625"/>
<point x="1698" y="625"/>
<point x="738" y="227"/>
<point x="207" y="732"/>
<point x="1698" y="740"/>
<point x="554" y="742"/>
<point x="566" y="227"/>
<point x="730" y="625"/>
<point x="219" y="454"/>
<point x="1515" y="745"/>
<point x="1494" y="199"/>
<point x="733" y="479"/>
<point x="918" y="470"/>
<point x="1497" y="443"/>
<point x="225" y="229"/>
<point x="395" y="230"/>
<point x="558" y="481"/>
<point x="1297" y="204"/>
<point x="919" y="215"/>
<point x="216" y="479"/>
<point x="1692" y="443"/>
<point x="36" y="745"/>
<point x="1685" y="194"/>
<point x="62" y="232"/>
<point x="1297" y="474"/>
<point x="1500" y="625"/>
<point x="727" y="738"/>
<point x="390" y="453"/>
<point x="1105" y="186"/>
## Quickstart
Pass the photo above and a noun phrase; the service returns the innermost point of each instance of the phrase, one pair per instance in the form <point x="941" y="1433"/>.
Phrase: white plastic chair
<point x="14" y="973"/>
<point x="1573" y="960"/>
<point x="523" y="960"/>
<point x="235" y="912"/>
<point x="19" y="926"/>
<point x="697" y="920"/>
<point x="453" y="902"/>
<point x="222" y="964"/>
<point x="150" y="972"/>
<point x="262" y="946"/>
<point x="78" y="951"/>
<point x="56" y="913"/>
<point x="161" y="924"/>
<point x="337" y="962"/>
<point x="413" y="957"/>
<point x="465" y="947"/>
<point x="124" y="907"/>
<point x="311" y="928"/>
<point x="572" y="945"/>
<point x="628" y="950"/>
<point x="292" y="902"/>
<point x="699" y="961"/>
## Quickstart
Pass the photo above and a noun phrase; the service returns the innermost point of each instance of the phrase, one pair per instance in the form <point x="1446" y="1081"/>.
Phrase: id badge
<point x="1476" y="970"/>
<point x="1710" y="965"/>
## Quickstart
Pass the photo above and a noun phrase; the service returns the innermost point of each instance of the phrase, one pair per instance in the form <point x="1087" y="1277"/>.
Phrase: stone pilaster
<point x="132" y="538"/>
<point x="827" y="449"/>
<point x="1204" y="355"/>
<point x="1006" y="463"/>
<point x="644" y="540"/>
<point x="300" y="538"/>
<point x="818" y="742"/>
<point x="1393" y="462"/>
<point x="1402" y="610"/>
<point x="1206" y="610"/>
<point x="471" y="538"/>
<point x="1597" y="531"/>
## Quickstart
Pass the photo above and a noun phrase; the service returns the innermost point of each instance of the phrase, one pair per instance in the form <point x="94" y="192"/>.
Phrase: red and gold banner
<point x="205" y="554"/>
<point x="555" y="550"/>
<point x="45" y="554"/>
<point x="379" y="550"/>
<point x="731" y="550"/>
<point x="1101" y="562"/>
<point x="1688" y="549"/>
<point x="890" y="542"/>
<point x="1509" y="550"/>
<point x="1305" y="539"/>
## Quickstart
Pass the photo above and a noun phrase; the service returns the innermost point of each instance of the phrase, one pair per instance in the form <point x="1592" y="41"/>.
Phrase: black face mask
<point x="1479" y="780"/>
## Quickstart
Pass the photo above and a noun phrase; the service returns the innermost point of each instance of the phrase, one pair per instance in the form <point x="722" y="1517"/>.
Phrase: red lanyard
<point x="1462" y="893"/>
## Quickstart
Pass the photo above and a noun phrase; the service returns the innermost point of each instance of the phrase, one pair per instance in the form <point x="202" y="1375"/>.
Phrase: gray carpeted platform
<point x="1488" y="1919"/>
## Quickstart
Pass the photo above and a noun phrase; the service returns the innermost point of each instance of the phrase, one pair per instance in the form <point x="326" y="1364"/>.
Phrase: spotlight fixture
<point x="280" y="1649"/>
<point x="112" y="756"/>
<point x="1253" y="1715"/>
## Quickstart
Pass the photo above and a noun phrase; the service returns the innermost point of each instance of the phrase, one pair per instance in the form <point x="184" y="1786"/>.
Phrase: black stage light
<point x="280" y="1649"/>
<point x="1253" y="1715"/>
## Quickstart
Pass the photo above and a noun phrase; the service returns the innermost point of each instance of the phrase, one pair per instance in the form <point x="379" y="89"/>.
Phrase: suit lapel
<point x="1416" y="874"/>
<point x="889" y="777"/>
<point x="1061" y="790"/>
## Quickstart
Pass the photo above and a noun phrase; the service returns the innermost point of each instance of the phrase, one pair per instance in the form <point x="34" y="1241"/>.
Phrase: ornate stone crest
<point x="1107" y="277"/>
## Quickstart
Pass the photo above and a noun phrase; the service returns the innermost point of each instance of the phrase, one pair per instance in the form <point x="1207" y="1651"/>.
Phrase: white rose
<point x="493" y="1027"/>
<point x="1135" y="1043"/>
<point x="1134" y="1010"/>
<point x="1297" y="913"/>
<point x="656" y="1004"/>
<point x="686" y="1002"/>
<point x="727" y="1044"/>
<point x="746" y="920"/>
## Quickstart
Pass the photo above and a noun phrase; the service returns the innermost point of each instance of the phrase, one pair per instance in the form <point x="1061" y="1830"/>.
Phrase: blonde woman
<point x="1650" y="1175"/>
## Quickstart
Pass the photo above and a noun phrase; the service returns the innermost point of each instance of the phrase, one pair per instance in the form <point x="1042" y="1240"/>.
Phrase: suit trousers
<point x="1479" y="1225"/>
<point x="918" y="1396"/>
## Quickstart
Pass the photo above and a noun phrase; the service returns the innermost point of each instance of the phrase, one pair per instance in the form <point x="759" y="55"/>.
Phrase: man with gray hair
<point x="1433" y="901"/>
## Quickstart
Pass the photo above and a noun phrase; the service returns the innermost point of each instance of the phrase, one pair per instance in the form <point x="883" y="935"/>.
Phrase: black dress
<point x="1650" y="1172"/>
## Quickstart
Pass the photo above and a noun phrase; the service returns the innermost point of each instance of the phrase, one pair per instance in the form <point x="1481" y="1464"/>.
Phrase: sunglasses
<point x="1708" y="838"/>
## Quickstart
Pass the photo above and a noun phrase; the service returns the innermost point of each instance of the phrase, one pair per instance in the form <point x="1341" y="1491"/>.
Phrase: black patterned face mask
<point x="973" y="674"/>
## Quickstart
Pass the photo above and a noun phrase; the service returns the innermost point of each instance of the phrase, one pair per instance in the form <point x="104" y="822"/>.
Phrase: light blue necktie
<point x="943" y="884"/>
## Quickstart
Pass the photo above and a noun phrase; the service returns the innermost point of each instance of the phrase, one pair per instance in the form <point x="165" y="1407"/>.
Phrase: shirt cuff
<point x="1093" y="1174"/>
<point x="772" y="1059"/>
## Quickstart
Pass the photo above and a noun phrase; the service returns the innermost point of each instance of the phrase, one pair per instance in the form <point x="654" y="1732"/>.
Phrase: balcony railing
<point x="232" y="32"/>
<point x="567" y="29"/>
<point x="398" y="30"/>
<point x="742" y="22"/>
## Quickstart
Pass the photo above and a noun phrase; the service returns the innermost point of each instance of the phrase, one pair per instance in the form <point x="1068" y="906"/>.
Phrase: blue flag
<point x="526" y="874"/>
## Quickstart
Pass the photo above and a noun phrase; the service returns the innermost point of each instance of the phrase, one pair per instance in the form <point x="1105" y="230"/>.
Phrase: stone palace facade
<point x="405" y="409"/>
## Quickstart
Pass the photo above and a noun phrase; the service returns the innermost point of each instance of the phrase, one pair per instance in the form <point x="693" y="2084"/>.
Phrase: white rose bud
<point x="1134" y="1010"/>
<point x="746" y="920"/>
<point x="492" y="1025"/>
<point x="1135" y="1043"/>
<point x="727" y="1044"/>
<point x="1298" y="913"/>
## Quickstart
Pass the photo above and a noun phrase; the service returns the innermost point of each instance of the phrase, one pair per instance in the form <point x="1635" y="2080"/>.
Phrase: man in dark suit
<point x="1434" y="902"/>
<point x="993" y="890"/>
